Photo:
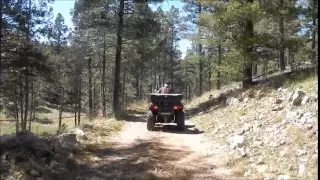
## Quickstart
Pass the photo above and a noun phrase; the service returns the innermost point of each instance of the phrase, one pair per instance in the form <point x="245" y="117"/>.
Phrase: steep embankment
<point x="264" y="132"/>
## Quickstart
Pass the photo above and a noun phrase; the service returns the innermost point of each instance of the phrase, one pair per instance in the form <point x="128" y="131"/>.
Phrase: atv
<point x="165" y="108"/>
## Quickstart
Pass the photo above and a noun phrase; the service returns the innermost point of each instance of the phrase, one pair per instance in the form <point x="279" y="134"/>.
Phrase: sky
<point x="65" y="6"/>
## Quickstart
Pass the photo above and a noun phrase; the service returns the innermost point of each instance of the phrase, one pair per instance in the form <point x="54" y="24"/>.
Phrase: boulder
<point x="236" y="141"/>
<point x="8" y="141"/>
<point x="80" y="134"/>
<point x="278" y="101"/>
<point x="36" y="145"/>
<point x="66" y="144"/>
<point x="296" y="97"/>
<point x="232" y="100"/>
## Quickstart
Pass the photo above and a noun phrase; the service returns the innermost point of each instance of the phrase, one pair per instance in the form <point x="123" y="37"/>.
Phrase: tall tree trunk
<point x="21" y="100"/>
<point x="79" y="100"/>
<point x="314" y="24"/>
<point x="282" y="48"/>
<point x="255" y="69"/>
<point x="219" y="63"/>
<point x="75" y="101"/>
<point x="90" y="88"/>
<point x="16" y="110"/>
<point x="201" y="57"/>
<point x="137" y="83"/>
<point x="123" y="88"/>
<point x="61" y="95"/>
<point x="155" y="75"/>
<point x="26" y="108"/>
<point x="103" y="79"/>
<point x="141" y="75"/>
<point x="210" y="71"/>
<point x="164" y="78"/>
<point x="265" y="66"/>
<point x="31" y="104"/>
<point x="95" y="99"/>
<point x="171" y="54"/>
<point x="247" y="52"/>
<point x="118" y="61"/>
<point x="61" y="107"/>
<point x="75" y="115"/>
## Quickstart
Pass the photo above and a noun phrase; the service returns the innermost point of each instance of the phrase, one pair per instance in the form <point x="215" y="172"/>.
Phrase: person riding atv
<point x="165" y="89"/>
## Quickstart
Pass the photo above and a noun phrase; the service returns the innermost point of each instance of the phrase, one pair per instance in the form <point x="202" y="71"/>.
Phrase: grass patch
<point x="299" y="82"/>
<point x="40" y="128"/>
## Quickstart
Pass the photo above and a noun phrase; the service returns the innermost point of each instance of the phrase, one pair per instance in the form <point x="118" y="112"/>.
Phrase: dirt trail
<point x="136" y="153"/>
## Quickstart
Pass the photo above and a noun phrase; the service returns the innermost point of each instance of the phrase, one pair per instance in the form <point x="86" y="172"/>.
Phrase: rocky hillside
<point x="264" y="132"/>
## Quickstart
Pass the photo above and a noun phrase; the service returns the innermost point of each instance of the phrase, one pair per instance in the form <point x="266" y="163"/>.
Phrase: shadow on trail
<point x="172" y="128"/>
<point x="136" y="111"/>
<point x="133" y="117"/>
<point x="145" y="159"/>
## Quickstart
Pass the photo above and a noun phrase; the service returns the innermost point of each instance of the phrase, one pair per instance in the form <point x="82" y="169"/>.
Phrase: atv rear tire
<point x="151" y="121"/>
<point x="180" y="120"/>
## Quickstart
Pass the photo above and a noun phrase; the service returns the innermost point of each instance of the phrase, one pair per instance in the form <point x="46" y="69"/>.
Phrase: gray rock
<point x="281" y="89"/>
<point x="282" y="142"/>
<point x="247" y="173"/>
<point x="67" y="143"/>
<point x="301" y="170"/>
<point x="236" y="141"/>
<point x="54" y="164"/>
<point x="38" y="146"/>
<point x="232" y="100"/>
<point x="278" y="101"/>
<point x="305" y="100"/>
<point x="290" y="95"/>
<point x="261" y="116"/>
<point x="301" y="152"/>
<point x="277" y="108"/>
<point x="242" y="152"/>
<point x="283" y="177"/>
<point x="309" y="126"/>
<point x="293" y="115"/>
<point x="8" y="141"/>
<point x="260" y="161"/>
<point x="247" y="127"/>
<point x="297" y="97"/>
<point x="26" y="137"/>
<point x="34" y="173"/>
<point x="76" y="131"/>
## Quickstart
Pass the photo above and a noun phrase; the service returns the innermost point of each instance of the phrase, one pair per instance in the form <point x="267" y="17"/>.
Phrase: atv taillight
<point x="177" y="107"/>
<point x="154" y="107"/>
